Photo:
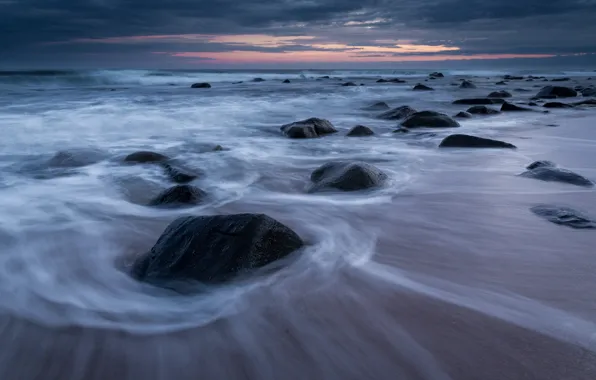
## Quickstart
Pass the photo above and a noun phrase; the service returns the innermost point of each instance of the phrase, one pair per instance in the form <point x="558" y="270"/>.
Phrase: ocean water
<point x="442" y="274"/>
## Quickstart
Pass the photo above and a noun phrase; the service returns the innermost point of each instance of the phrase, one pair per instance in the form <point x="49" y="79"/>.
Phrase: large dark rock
<point x="436" y="74"/>
<point x="467" y="141"/>
<point x="215" y="249"/>
<point x="421" y="87"/>
<point x="360" y="131"/>
<point x="309" y="128"/>
<point x="547" y="171"/>
<point x="179" y="196"/>
<point x="179" y="174"/>
<point x="510" y="107"/>
<point x="200" y="85"/>
<point x="349" y="84"/>
<point x="379" y="106"/>
<point x="564" y="216"/>
<point x="467" y="84"/>
<point x="549" y="92"/>
<point x="144" y="157"/>
<point x="463" y="115"/>
<point x="398" y="113"/>
<point x="500" y="94"/>
<point x="479" y="101"/>
<point x="482" y="110"/>
<point x="258" y="80"/>
<point x="346" y="176"/>
<point x="429" y="119"/>
<point x="557" y="105"/>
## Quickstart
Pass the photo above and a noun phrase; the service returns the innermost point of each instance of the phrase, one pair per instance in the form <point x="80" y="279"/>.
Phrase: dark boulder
<point x="510" y="107"/>
<point x="512" y="77"/>
<point x="463" y="115"/>
<point x="346" y="176"/>
<point x="359" y="131"/>
<point x="397" y="80"/>
<point x="429" y="119"/>
<point x="467" y="141"/>
<point x="398" y="113"/>
<point x="467" y="84"/>
<point x="258" y="80"/>
<point x="421" y="87"/>
<point x="560" y="80"/>
<point x="349" y="84"/>
<point x="325" y="77"/>
<point x="556" y="91"/>
<point x="546" y="171"/>
<point x="286" y="81"/>
<point x="144" y="157"/>
<point x="482" y="110"/>
<point x="557" y="105"/>
<point x="200" y="85"/>
<point x="179" y="174"/>
<point x="179" y="196"/>
<point x="500" y="94"/>
<point x="215" y="249"/>
<point x="564" y="216"/>
<point x="379" y="106"/>
<point x="309" y="128"/>
<point x="436" y="74"/>
<point x="382" y="80"/>
<point x="479" y="101"/>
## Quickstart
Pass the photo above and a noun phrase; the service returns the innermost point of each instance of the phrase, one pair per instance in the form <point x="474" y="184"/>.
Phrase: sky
<point x="293" y="33"/>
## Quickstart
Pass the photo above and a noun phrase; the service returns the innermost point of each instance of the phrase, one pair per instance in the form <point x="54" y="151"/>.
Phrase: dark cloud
<point x="34" y="30"/>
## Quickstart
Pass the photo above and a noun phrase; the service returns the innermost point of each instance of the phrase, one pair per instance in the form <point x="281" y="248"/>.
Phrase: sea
<point x="443" y="273"/>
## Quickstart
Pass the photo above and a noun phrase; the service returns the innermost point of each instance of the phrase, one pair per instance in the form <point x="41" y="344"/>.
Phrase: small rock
<point x="436" y="74"/>
<point x="379" y="106"/>
<point x="500" y="94"/>
<point x="382" y="80"/>
<point x="512" y="77"/>
<point x="479" y="101"/>
<point x="556" y="91"/>
<point x="144" y="157"/>
<point x="467" y="84"/>
<point x="589" y="92"/>
<point x="463" y="115"/>
<point x="509" y="107"/>
<point x="258" y="80"/>
<point x="178" y="174"/>
<point x="589" y="102"/>
<point x="398" y="113"/>
<point x="286" y="81"/>
<point x="347" y="176"/>
<point x="541" y="164"/>
<point x="421" y="87"/>
<point x="325" y="77"/>
<point x="564" y="216"/>
<point x="467" y="141"/>
<point x="482" y="110"/>
<point x="429" y="119"/>
<point x="501" y="83"/>
<point x="359" y="131"/>
<point x="551" y="173"/>
<point x="560" y="80"/>
<point x="557" y="105"/>
<point x="309" y="128"/>
<point x="179" y="196"/>
<point x="349" y="84"/>
<point x="200" y="85"/>
<point x="533" y="104"/>
<point x="522" y="90"/>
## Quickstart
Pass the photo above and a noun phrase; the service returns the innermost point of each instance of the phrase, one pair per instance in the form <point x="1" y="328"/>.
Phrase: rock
<point x="500" y="94"/>
<point x="398" y="113"/>
<point x="521" y="90"/>
<point x="482" y="110"/>
<point x="396" y="80"/>
<point x="564" y="216"/>
<point x="512" y="77"/>
<point x="237" y="82"/>
<point x="359" y="131"/>
<point x="145" y="157"/>
<point x="215" y="249"/>
<point x="501" y="83"/>
<point x="530" y="80"/>
<point x="436" y="74"/>
<point x="179" y="196"/>
<point x="200" y="85"/>
<point x="382" y="80"/>
<point x="421" y="87"/>
<point x="547" y="171"/>
<point x="559" y="79"/>
<point x="429" y="119"/>
<point x="347" y="176"/>
<point x="349" y="84"/>
<point x="557" y="105"/>
<point x="286" y="81"/>
<point x="467" y="141"/>
<point x="178" y="174"/>
<point x="479" y="101"/>
<point x="258" y="80"/>
<point x="589" y="92"/>
<point x="379" y="106"/>
<point x="556" y="91"/>
<point x="589" y="102"/>
<point x="309" y="128"/>
<point x="463" y="115"/>
<point x="533" y="104"/>
<point x="325" y="77"/>
<point x="467" y="84"/>
<point x="75" y="158"/>
<point x="218" y="148"/>
<point x="510" y="107"/>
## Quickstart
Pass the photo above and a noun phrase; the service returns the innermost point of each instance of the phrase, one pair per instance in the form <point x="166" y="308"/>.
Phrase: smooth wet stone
<point x="421" y="87"/>
<point x="436" y="74"/>
<point x="463" y="115"/>
<point x="510" y="107"/>
<point x="546" y="171"/>
<point x="398" y="113"/>
<point x="467" y="141"/>
<point x="564" y="216"/>
<point x="482" y="110"/>
<point x="556" y="92"/>
<point x="379" y="106"/>
<point x="309" y="128"/>
<point x="144" y="157"/>
<point x="215" y="249"/>
<point x="557" y="105"/>
<point x="360" y="131"/>
<point x="179" y="174"/>
<point x="179" y="196"/>
<point x="500" y="94"/>
<point x="467" y="84"/>
<point x="200" y="85"/>
<point x="479" y="101"/>
<point x="347" y="176"/>
<point x="429" y="119"/>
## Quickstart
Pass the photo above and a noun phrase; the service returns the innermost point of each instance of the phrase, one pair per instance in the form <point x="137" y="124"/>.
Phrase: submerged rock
<point x="215" y="249"/>
<point x="512" y="77"/>
<point x="467" y="84"/>
<point x="144" y="157"/>
<point x="564" y="216"/>
<point x="589" y="102"/>
<point x="421" y="87"/>
<point x="501" y="83"/>
<point x="547" y="171"/>
<point x="379" y="106"/>
<point x="482" y="110"/>
<point x="178" y="174"/>
<point x="463" y="115"/>
<point x="479" y="101"/>
<point x="349" y="84"/>
<point x="258" y="80"/>
<point x="309" y="128"/>
<point x="179" y="196"/>
<point x="436" y="74"/>
<point x="360" y="131"/>
<point x="560" y="80"/>
<point x="589" y="92"/>
<point x="500" y="94"/>
<point x="510" y="107"/>
<point x="347" y="176"/>
<point x="541" y="164"/>
<point x="556" y="92"/>
<point x="75" y="158"/>
<point x="429" y="119"/>
<point x="200" y="85"/>
<point x="398" y="113"/>
<point x="467" y="141"/>
<point x="557" y="105"/>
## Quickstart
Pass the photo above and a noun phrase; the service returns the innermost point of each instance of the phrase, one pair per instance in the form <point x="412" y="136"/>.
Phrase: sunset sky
<point x="227" y="33"/>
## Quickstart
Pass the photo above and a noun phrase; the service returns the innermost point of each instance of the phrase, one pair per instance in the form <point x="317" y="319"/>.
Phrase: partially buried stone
<point x="179" y="196"/>
<point x="215" y="249"/>
<point x="143" y="157"/>
<point x="309" y="128"/>
<point x="360" y="131"/>
<point x="397" y="113"/>
<point x="564" y="216"/>
<point x="467" y="141"/>
<point x="346" y="176"/>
